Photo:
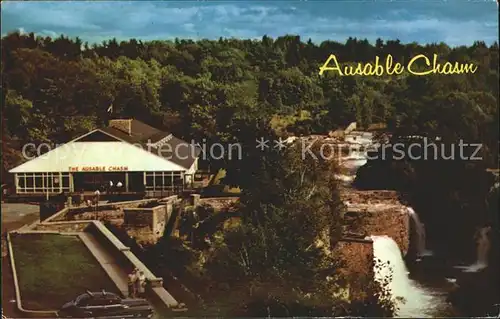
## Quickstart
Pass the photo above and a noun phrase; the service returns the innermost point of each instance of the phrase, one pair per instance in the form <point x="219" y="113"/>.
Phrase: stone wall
<point x="140" y="217"/>
<point x="63" y="227"/>
<point x="155" y="218"/>
<point x="147" y="225"/>
<point x="162" y="218"/>
<point x="103" y="215"/>
<point x="104" y="211"/>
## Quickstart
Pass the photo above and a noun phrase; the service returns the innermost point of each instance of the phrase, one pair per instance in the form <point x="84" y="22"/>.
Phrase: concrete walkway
<point x="107" y="261"/>
<point x="119" y="276"/>
<point x="16" y="215"/>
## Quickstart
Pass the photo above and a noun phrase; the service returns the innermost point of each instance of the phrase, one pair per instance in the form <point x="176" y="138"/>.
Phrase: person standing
<point x="82" y="197"/>
<point x="141" y="284"/>
<point x="132" y="279"/>
<point x="97" y="193"/>
<point x="110" y="187"/>
<point x="119" y="186"/>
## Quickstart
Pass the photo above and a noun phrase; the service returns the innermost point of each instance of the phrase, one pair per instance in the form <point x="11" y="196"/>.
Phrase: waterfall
<point x="420" y="230"/>
<point x="353" y="162"/>
<point x="417" y="302"/>
<point x="356" y="158"/>
<point x="344" y="178"/>
<point x="483" y="248"/>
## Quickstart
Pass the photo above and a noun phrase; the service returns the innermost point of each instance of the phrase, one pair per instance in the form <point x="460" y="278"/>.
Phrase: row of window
<point x="163" y="180"/>
<point x="42" y="182"/>
<point x="57" y="182"/>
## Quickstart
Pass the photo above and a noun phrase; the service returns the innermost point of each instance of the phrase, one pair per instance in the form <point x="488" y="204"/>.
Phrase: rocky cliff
<point x="379" y="212"/>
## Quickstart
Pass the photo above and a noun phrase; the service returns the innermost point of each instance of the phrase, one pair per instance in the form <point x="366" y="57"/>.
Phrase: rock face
<point x="369" y="213"/>
<point x="357" y="261"/>
<point x="376" y="213"/>
<point x="370" y="196"/>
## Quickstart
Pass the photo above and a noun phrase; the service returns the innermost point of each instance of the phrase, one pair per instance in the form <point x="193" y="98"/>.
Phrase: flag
<point x="110" y="108"/>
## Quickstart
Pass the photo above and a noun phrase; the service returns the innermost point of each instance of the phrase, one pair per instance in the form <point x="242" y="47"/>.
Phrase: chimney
<point x="122" y="125"/>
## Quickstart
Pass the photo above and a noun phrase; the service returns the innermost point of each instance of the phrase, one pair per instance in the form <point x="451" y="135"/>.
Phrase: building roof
<point x="97" y="156"/>
<point x="139" y="132"/>
<point x="146" y="136"/>
<point x="163" y="145"/>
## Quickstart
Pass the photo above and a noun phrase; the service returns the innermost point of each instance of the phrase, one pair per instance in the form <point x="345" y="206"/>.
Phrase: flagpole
<point x="109" y="112"/>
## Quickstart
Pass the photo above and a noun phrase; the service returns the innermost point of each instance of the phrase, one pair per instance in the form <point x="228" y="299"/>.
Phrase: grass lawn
<point x="53" y="269"/>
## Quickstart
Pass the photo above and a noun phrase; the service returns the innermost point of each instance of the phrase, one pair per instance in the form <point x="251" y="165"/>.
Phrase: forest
<point x="55" y="89"/>
<point x="233" y="90"/>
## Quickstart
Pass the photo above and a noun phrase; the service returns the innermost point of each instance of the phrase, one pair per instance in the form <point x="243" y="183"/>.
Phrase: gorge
<point x="420" y="234"/>
<point x="435" y="278"/>
<point x="483" y="248"/>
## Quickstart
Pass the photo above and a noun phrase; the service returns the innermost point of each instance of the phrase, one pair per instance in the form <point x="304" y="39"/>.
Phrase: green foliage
<point x="237" y="91"/>
<point x="215" y="85"/>
<point x="53" y="269"/>
<point x="279" y="258"/>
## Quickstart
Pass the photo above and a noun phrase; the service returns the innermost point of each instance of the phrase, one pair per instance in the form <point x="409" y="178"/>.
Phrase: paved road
<point x="15" y="215"/>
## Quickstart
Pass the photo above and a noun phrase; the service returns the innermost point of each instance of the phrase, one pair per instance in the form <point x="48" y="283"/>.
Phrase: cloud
<point x="454" y="23"/>
<point x="190" y="27"/>
<point x="48" y="33"/>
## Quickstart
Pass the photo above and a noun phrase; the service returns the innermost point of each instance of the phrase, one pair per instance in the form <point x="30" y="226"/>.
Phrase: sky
<point x="455" y="22"/>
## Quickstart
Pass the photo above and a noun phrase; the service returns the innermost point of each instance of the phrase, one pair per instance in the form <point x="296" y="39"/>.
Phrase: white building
<point x="139" y="156"/>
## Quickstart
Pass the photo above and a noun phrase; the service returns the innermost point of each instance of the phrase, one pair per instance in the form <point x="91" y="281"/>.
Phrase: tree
<point x="279" y="259"/>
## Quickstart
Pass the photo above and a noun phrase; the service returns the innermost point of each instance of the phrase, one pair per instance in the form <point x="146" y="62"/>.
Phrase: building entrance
<point x="98" y="181"/>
